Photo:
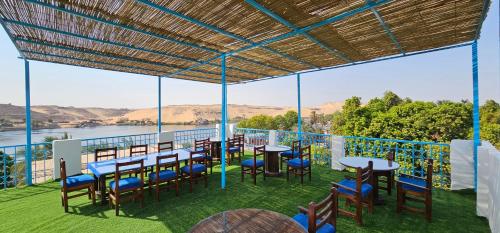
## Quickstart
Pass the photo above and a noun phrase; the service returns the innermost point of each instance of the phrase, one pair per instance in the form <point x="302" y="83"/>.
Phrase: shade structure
<point x="261" y="38"/>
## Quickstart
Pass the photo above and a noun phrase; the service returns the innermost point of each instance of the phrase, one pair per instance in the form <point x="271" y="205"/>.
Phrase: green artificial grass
<point x="38" y="208"/>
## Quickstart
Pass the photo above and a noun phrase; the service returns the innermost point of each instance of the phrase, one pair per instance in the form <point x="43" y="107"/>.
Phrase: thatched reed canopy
<point x="263" y="38"/>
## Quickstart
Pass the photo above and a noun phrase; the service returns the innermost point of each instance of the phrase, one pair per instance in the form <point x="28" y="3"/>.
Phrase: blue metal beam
<point x="159" y="105"/>
<point x="475" y="109"/>
<point x="131" y="59"/>
<point x="364" y="62"/>
<point x="218" y="30"/>
<point x="223" y="121"/>
<point x="293" y="27"/>
<point x="159" y="36"/>
<point x="387" y="29"/>
<point x="299" y="109"/>
<point x="328" y="21"/>
<point x="27" y="90"/>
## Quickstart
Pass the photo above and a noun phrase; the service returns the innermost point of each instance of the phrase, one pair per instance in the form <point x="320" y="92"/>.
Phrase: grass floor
<point x="38" y="208"/>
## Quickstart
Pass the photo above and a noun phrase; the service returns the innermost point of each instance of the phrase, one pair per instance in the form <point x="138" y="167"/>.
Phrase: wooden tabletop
<point x="248" y="220"/>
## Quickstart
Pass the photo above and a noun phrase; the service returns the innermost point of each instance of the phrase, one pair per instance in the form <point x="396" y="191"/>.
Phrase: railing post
<point x="299" y="112"/>
<point x="27" y="157"/>
<point x="159" y="104"/>
<point x="223" y="122"/>
<point x="475" y="112"/>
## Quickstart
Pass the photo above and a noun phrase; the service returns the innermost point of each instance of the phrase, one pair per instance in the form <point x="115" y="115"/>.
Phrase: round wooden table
<point x="248" y="220"/>
<point x="273" y="159"/>
<point x="380" y="166"/>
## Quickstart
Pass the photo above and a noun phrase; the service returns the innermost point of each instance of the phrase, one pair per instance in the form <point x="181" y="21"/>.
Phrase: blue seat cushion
<point x="164" y="175"/>
<point x="302" y="219"/>
<point x="289" y="154"/>
<point x="74" y="181"/>
<point x="234" y="149"/>
<point x="197" y="168"/>
<point x="365" y="188"/>
<point x="296" y="162"/>
<point x="414" y="181"/>
<point x="249" y="163"/>
<point x="126" y="183"/>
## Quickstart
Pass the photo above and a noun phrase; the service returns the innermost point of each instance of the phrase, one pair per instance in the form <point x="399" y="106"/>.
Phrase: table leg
<point x="377" y="200"/>
<point x="272" y="164"/>
<point x="102" y="189"/>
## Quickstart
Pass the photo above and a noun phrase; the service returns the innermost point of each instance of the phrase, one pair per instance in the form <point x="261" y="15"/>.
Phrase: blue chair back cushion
<point x="234" y="149"/>
<point x="302" y="219"/>
<point x="126" y="183"/>
<point x="249" y="163"/>
<point x="414" y="181"/>
<point x="164" y="175"/>
<point x="289" y="154"/>
<point x="197" y="168"/>
<point x="365" y="188"/>
<point x="296" y="162"/>
<point x="74" y="181"/>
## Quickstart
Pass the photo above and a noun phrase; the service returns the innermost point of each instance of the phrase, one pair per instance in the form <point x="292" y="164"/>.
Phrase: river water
<point x="19" y="137"/>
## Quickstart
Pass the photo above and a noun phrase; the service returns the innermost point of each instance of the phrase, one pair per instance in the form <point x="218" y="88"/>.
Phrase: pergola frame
<point x="187" y="72"/>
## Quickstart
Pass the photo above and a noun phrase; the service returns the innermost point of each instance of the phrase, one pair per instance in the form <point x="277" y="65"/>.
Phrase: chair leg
<point x="141" y="195"/>
<point x="117" y="203"/>
<point x="254" y="174"/>
<point x="310" y="173"/>
<point x="302" y="175"/>
<point x="428" y="207"/>
<point x="157" y="192"/>
<point x="88" y="193"/>
<point x="190" y="184"/>
<point x="370" y="203"/>
<point x="176" y="187"/>
<point x="242" y="173"/>
<point x="287" y="173"/>
<point x="65" y="200"/>
<point x="399" y="202"/>
<point x="92" y="193"/>
<point x="359" y="213"/>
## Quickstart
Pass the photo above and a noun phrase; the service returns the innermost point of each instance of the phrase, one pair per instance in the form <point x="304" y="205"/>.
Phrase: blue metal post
<point x="159" y="104"/>
<point x="28" y="158"/>
<point x="475" y="110"/>
<point x="224" y="121"/>
<point x="299" y="110"/>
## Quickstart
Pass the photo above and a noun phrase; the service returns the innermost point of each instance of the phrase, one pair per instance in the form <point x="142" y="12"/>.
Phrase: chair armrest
<point x="398" y="182"/>
<point x="302" y="209"/>
<point x="336" y="185"/>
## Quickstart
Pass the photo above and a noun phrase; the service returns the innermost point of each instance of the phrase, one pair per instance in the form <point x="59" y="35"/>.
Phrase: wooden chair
<point x="170" y="177"/>
<point x="135" y="150"/>
<point x="196" y="169"/>
<point x="291" y="154"/>
<point x="388" y="176"/>
<point x="75" y="183"/>
<point x="321" y="217"/>
<point x="416" y="189"/>
<point x="357" y="191"/>
<point x="165" y="146"/>
<point x="204" y="145"/>
<point x="133" y="185"/>
<point x="254" y="166"/>
<point x="300" y="166"/>
<point x="232" y="148"/>
<point x="101" y="154"/>
<point x="241" y="143"/>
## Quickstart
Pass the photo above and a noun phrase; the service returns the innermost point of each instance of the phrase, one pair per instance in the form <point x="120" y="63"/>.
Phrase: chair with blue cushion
<point x="290" y="154"/>
<point x="75" y="183"/>
<point x="320" y="217"/>
<point x="204" y="145"/>
<point x="165" y="146"/>
<point x="139" y="150"/>
<point x="254" y="166"/>
<point x="196" y="169"/>
<point x="240" y="143"/>
<point x="301" y="165"/>
<point x="358" y="191"/>
<point x="133" y="185"/>
<point x="165" y="175"/>
<point x="416" y="189"/>
<point x="232" y="148"/>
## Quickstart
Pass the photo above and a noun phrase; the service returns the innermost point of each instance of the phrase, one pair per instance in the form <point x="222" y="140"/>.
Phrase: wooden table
<point x="379" y="167"/>
<point x="273" y="159"/>
<point x="248" y="220"/>
<point x="216" y="149"/>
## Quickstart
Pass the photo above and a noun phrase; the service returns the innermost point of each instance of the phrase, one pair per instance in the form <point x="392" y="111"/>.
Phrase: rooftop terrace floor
<point x="38" y="208"/>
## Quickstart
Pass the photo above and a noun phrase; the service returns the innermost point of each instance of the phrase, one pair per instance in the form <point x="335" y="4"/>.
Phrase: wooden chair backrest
<point x="62" y="170"/>
<point x="138" y="150"/>
<point x="241" y="139"/>
<point x="258" y="151"/>
<point x="165" y="146"/>
<point x="323" y="212"/>
<point x="133" y="167"/>
<point x="430" y="168"/>
<point x="296" y="145"/>
<point x="105" y="153"/>
<point x="160" y="164"/>
<point x="364" y="175"/>
<point x="231" y="142"/>
<point x="203" y="143"/>
<point x="202" y="158"/>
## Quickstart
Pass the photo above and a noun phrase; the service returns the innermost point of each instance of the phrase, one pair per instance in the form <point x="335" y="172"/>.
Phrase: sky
<point x="443" y="75"/>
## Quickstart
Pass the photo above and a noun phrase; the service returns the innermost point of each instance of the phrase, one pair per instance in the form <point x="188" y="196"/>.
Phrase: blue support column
<point x="475" y="110"/>
<point x="28" y="157"/>
<point x="159" y="104"/>
<point x="224" y="121"/>
<point x="299" y="109"/>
